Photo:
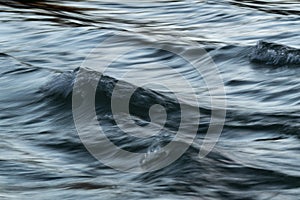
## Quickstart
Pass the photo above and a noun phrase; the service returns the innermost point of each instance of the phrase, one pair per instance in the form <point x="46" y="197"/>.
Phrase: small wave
<point x="62" y="88"/>
<point x="275" y="54"/>
<point x="61" y="85"/>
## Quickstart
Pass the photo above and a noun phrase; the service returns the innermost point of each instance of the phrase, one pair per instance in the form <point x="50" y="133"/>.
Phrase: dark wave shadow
<point x="265" y="6"/>
<point x="58" y="13"/>
<point x="49" y="5"/>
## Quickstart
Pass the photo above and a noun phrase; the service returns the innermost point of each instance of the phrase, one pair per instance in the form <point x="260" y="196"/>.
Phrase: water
<point x="257" y="155"/>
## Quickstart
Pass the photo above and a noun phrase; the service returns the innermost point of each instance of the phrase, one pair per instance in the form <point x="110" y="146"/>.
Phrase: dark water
<point x="255" y="45"/>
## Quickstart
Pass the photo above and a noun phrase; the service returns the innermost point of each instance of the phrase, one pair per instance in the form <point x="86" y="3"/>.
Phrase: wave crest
<point x="274" y="54"/>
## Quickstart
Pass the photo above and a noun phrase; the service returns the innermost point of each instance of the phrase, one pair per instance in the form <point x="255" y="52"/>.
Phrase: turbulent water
<point x="254" y="45"/>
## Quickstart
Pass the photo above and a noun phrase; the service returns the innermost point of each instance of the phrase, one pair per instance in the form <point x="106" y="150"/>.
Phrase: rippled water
<point x="254" y="44"/>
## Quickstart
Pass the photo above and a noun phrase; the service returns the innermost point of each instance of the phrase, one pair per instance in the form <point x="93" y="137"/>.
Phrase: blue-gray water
<point x="255" y="45"/>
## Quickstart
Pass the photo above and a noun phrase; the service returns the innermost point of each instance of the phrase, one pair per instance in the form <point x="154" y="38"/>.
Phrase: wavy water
<point x="275" y="54"/>
<point x="255" y="46"/>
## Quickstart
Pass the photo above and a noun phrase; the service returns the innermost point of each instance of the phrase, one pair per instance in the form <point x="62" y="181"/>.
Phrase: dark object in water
<point x="275" y="54"/>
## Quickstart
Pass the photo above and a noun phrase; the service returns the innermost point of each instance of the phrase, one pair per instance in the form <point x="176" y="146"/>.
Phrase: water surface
<point x="257" y="156"/>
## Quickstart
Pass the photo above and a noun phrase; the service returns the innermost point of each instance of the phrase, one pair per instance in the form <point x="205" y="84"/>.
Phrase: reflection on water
<point x="43" y="42"/>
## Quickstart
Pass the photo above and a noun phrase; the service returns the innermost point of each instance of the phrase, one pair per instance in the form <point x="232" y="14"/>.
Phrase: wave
<point x="275" y="54"/>
<point x="279" y="7"/>
<point x="62" y="86"/>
